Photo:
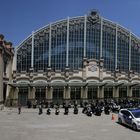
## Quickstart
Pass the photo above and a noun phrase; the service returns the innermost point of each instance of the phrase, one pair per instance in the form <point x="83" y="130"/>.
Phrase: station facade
<point x="76" y="59"/>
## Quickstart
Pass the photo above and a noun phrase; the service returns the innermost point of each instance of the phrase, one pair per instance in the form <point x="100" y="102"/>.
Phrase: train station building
<point x="75" y="59"/>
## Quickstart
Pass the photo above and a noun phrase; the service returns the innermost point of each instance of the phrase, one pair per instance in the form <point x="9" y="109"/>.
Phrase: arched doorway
<point x="23" y="95"/>
<point x="122" y="92"/>
<point x="92" y="93"/>
<point x="40" y="95"/>
<point x="108" y="92"/>
<point x="58" y="94"/>
<point x="75" y="94"/>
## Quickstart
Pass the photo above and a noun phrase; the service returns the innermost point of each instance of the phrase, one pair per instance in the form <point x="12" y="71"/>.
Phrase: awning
<point x="117" y="84"/>
<point x="96" y="84"/>
<point x="58" y="84"/>
<point x="77" y="84"/>
<point x="38" y="84"/>
<point x="74" y="84"/>
<point x="130" y="84"/>
<point x="18" y="84"/>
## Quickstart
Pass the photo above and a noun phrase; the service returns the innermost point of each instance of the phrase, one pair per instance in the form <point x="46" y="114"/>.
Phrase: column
<point x="15" y="96"/>
<point x="129" y="91"/>
<point x="46" y="93"/>
<point x="98" y="92"/>
<point x="33" y="92"/>
<point x="84" y="92"/>
<point x="49" y="95"/>
<point x="1" y="76"/>
<point x="29" y="93"/>
<point x="101" y="93"/>
<point x="115" y="92"/>
<point x="68" y="93"/>
<point x="64" y="93"/>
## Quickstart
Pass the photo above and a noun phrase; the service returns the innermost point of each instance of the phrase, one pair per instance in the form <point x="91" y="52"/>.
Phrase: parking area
<point x="31" y="126"/>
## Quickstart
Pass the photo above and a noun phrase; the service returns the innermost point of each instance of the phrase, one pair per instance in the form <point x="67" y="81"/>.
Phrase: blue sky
<point x="18" y="18"/>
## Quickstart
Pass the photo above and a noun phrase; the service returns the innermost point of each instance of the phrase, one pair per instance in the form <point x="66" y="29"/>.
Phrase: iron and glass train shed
<point x="77" y="59"/>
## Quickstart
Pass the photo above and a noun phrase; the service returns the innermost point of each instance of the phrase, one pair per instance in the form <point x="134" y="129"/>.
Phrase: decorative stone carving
<point x="49" y="72"/>
<point x="67" y="72"/>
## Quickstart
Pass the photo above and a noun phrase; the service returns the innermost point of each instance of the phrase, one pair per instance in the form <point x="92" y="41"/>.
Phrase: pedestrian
<point x="19" y="108"/>
<point x="40" y="110"/>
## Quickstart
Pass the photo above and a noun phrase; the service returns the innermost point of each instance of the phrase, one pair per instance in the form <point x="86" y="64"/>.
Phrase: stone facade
<point x="93" y="75"/>
<point x="6" y="59"/>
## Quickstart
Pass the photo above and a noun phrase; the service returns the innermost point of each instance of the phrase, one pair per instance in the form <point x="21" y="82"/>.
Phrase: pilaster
<point x="129" y="91"/>
<point x="98" y="92"/>
<point x="68" y="89"/>
<point x="101" y="93"/>
<point x="84" y="92"/>
<point x="29" y="93"/>
<point x="46" y="93"/>
<point x="49" y="95"/>
<point x="33" y="92"/>
<point x="115" y="92"/>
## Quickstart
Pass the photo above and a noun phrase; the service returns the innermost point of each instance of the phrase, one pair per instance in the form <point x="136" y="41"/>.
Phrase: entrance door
<point x="75" y="93"/>
<point x="123" y="92"/>
<point x="108" y="92"/>
<point x="135" y="92"/>
<point x="23" y="96"/>
<point x="58" y="94"/>
<point x="92" y="93"/>
<point x="40" y="94"/>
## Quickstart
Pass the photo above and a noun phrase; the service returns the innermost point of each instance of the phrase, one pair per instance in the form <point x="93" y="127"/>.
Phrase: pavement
<point x="31" y="126"/>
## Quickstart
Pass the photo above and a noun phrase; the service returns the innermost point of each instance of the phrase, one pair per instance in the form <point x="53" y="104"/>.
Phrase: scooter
<point x="107" y="110"/>
<point x="75" y="110"/>
<point x="89" y="112"/>
<point x="48" y="111"/>
<point x="98" y="111"/>
<point x="57" y="111"/>
<point x="66" y="111"/>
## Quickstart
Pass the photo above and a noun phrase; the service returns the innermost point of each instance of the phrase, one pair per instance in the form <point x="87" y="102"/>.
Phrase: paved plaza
<point x="31" y="126"/>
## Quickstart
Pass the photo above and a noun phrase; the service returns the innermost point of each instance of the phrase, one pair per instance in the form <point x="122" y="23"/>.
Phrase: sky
<point x="18" y="18"/>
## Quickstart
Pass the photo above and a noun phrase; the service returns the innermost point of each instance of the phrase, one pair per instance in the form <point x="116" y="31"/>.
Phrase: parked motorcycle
<point x="75" y="110"/>
<point x="48" y="111"/>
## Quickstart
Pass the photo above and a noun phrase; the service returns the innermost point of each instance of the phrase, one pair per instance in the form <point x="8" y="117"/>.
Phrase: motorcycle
<point x="48" y="111"/>
<point x="75" y="110"/>
<point x="107" y="110"/>
<point x="98" y="111"/>
<point x="89" y="112"/>
<point x="66" y="111"/>
<point x="57" y="111"/>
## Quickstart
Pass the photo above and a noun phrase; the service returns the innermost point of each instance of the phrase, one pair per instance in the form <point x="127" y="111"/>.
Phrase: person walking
<point x="40" y="109"/>
<point x="19" y="108"/>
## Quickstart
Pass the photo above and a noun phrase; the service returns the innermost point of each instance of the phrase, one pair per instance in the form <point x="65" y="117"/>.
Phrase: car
<point x="130" y="117"/>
